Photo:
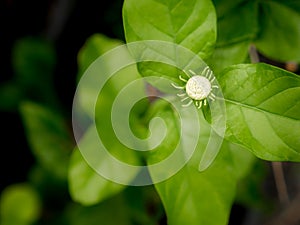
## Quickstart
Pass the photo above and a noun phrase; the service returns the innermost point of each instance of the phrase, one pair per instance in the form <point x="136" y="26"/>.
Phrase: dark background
<point x="65" y="23"/>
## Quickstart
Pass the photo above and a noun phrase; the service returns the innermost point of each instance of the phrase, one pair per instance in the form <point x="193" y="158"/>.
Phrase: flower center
<point x="198" y="87"/>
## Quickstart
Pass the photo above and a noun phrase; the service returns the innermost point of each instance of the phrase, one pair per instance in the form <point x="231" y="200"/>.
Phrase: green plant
<point x="262" y="101"/>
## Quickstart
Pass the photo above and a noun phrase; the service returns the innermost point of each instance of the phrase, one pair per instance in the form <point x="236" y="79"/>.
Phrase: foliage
<point x="20" y="204"/>
<point x="262" y="120"/>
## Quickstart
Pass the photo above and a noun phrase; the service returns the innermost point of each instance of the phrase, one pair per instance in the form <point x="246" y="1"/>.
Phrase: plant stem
<point x="276" y="166"/>
<point x="58" y="17"/>
<point x="254" y="57"/>
<point x="290" y="215"/>
<point x="280" y="183"/>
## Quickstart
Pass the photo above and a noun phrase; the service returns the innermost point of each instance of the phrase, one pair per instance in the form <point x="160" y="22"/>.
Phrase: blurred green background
<point x="39" y="43"/>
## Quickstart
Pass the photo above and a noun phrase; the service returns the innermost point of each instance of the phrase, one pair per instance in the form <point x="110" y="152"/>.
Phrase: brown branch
<point x="277" y="166"/>
<point x="292" y="66"/>
<point x="58" y="17"/>
<point x="254" y="57"/>
<point x="290" y="215"/>
<point x="280" y="183"/>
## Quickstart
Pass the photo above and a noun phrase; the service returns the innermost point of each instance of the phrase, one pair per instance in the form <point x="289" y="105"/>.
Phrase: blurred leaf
<point x="174" y="21"/>
<point x="103" y="114"/>
<point x="95" y="46"/>
<point x="262" y="104"/>
<point x="144" y="204"/>
<point x="87" y="186"/>
<point x="19" y="205"/>
<point x="33" y="59"/>
<point x="134" y="206"/>
<point x="112" y="211"/>
<point x="93" y="188"/>
<point x="242" y="159"/>
<point x="250" y="191"/>
<point x="228" y="55"/>
<point x="10" y="96"/>
<point x="292" y="4"/>
<point x="238" y="23"/>
<point x="237" y="27"/>
<point x="224" y="6"/>
<point x="33" y="62"/>
<point x="279" y="36"/>
<point x="48" y="136"/>
<point x="162" y="109"/>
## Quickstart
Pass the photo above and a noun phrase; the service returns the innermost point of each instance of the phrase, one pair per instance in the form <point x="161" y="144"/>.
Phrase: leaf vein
<point x="258" y="109"/>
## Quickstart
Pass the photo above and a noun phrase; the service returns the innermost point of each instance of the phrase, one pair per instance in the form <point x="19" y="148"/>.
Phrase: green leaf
<point x="49" y="138"/>
<point x="238" y="23"/>
<point x="190" y="23"/>
<point x="19" y="205"/>
<point x="175" y="37"/>
<point x="93" y="188"/>
<point x="33" y="62"/>
<point x="279" y="36"/>
<point x="85" y="185"/>
<point x="292" y="4"/>
<point x="250" y="191"/>
<point x="242" y="159"/>
<point x="94" y="46"/>
<point x="228" y="55"/>
<point x="224" y="6"/>
<point x="48" y="184"/>
<point x="10" y="96"/>
<point x="139" y="200"/>
<point x="237" y="27"/>
<point x="31" y="57"/>
<point x="128" y="207"/>
<point x="262" y="104"/>
<point x="112" y="211"/>
<point x="193" y="197"/>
